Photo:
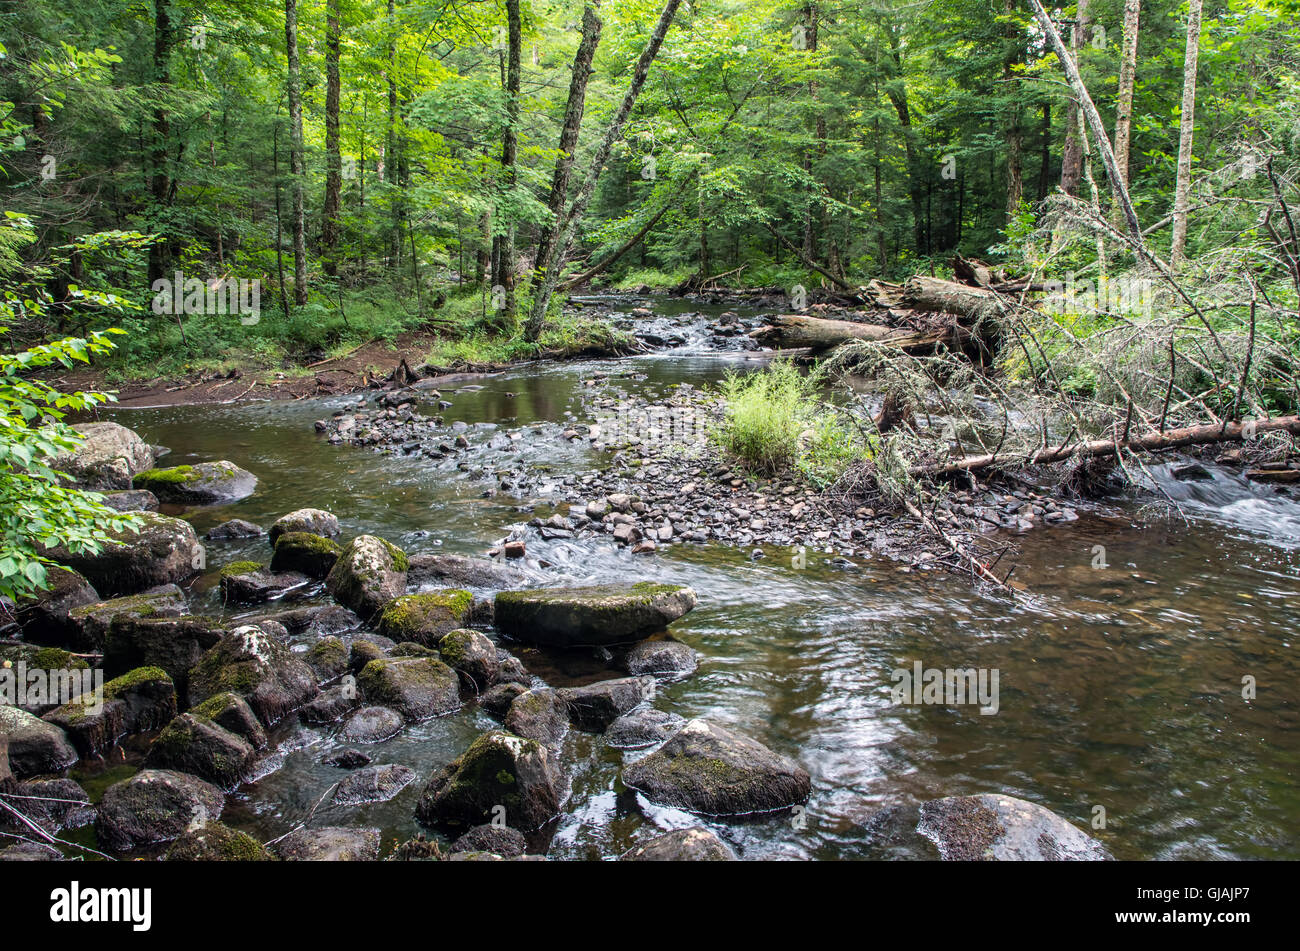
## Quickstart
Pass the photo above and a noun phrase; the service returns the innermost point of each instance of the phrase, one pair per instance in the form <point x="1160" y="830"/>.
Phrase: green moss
<point x="425" y="617"/>
<point x="54" y="658"/>
<point x="317" y="544"/>
<point x="119" y="685"/>
<point x="172" y="475"/>
<point x="241" y="568"/>
<point x="400" y="561"/>
<point x="213" y="707"/>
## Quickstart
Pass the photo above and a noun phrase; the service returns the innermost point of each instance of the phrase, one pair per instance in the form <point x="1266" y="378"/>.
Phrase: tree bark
<point x="564" y="235"/>
<point x="505" y="242"/>
<point x="1127" y="76"/>
<point x="1072" y="152"/>
<point x="569" y="131"/>
<point x="299" y="223"/>
<point x="159" y="181"/>
<point x="334" y="157"/>
<point x="799" y="331"/>
<point x="1186" y="126"/>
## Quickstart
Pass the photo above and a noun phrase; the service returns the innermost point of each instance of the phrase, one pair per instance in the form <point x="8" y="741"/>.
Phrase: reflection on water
<point x="1120" y="687"/>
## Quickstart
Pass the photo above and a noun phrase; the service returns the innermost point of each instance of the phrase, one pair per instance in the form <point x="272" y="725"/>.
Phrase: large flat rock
<point x="597" y="615"/>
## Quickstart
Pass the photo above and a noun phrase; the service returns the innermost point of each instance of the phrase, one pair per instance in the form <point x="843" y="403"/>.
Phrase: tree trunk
<point x="1014" y="132"/>
<point x="1072" y="152"/>
<point x="812" y="24"/>
<point x="159" y="183"/>
<point x="623" y="249"/>
<point x="564" y="235"/>
<point x="896" y="90"/>
<point x="799" y="331"/>
<point x="505" y="250"/>
<point x="299" y="223"/>
<point x="1186" y="126"/>
<point x="569" y="131"/>
<point x="334" y="157"/>
<point x="1127" y="75"/>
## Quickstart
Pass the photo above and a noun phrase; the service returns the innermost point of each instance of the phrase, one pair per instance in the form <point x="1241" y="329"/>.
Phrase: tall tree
<point x="298" y="213"/>
<point x="1186" y="126"/>
<point x="1127" y="77"/>
<point x="1072" y="153"/>
<point x="333" y="155"/>
<point x="504" y="250"/>
<point x="159" y="181"/>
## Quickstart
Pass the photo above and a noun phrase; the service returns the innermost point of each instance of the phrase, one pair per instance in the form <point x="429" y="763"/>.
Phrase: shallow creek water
<point x="1120" y="687"/>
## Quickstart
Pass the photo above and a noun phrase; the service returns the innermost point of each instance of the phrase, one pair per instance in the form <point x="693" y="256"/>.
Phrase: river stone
<point x="348" y="759"/>
<point x="642" y="728"/>
<point x="232" y="712"/>
<point x="1003" y="828"/>
<point x="174" y="644"/>
<point x="31" y="852"/>
<point x="496" y="700"/>
<point x="312" y="555"/>
<point x="598" y="615"/>
<point x="155" y="805"/>
<point x="539" y="715"/>
<point x="372" y="784"/>
<point x="317" y="620"/>
<point x="53" y="804"/>
<point x="216" y="842"/>
<point x="235" y="528"/>
<point x="132" y="500"/>
<point x="595" y="706"/>
<point x="35" y="746"/>
<point x="329" y="844"/>
<point x="328" y="657"/>
<point x="416" y="687"/>
<point x="425" y="618"/>
<point x="88" y="626"/>
<point x="462" y="571"/>
<point x="470" y="654"/>
<point x="108" y="458"/>
<point x="370" y="573"/>
<point x="248" y="582"/>
<point x="332" y="705"/>
<point x="696" y="844"/>
<point x="667" y="659"/>
<point x="372" y="724"/>
<point x="498" y="770"/>
<point x="708" y="770"/>
<point x="44" y="617"/>
<point x="194" y="744"/>
<point x="139" y="701"/>
<point x="498" y="840"/>
<point x="204" y="483"/>
<point x="251" y="663"/>
<point x="164" y="551"/>
<point x="306" y="521"/>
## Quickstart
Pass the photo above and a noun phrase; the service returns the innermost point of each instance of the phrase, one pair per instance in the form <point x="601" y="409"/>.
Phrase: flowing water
<point x="1121" y="687"/>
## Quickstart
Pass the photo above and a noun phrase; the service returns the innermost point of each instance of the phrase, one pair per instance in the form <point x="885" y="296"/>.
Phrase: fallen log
<point x="920" y="292"/>
<point x="1154" y="441"/>
<point x="794" y="331"/>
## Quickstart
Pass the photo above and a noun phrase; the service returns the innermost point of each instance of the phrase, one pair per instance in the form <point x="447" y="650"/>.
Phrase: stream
<point x="1121" y="686"/>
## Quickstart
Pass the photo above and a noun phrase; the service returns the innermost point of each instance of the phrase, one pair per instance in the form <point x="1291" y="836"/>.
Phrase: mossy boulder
<point x="370" y="573"/>
<point x="52" y="804"/>
<point x="173" y="643"/>
<point x="328" y="657"/>
<point x="232" y="712"/>
<point x="138" y="701"/>
<point x="155" y="805"/>
<point x="251" y="663"/>
<point x="305" y="553"/>
<point x="708" y="770"/>
<point x="1002" y="828"/>
<point x="193" y="744"/>
<point x="35" y="746"/>
<point x="316" y="620"/>
<point x="416" y="687"/>
<point x="204" y="483"/>
<point x="44" y="618"/>
<point x="165" y="550"/>
<point x="496" y="839"/>
<point x="496" y="700"/>
<point x="329" y="844"/>
<point x="109" y="456"/>
<point x="472" y="655"/>
<point x="461" y="571"/>
<point x="596" y="615"/>
<point x="498" y="770"/>
<point x="306" y="521"/>
<point x="595" y="706"/>
<point x="540" y="715"/>
<point x="331" y="705"/>
<point x="132" y="500"/>
<point x="216" y="842"/>
<point x="425" y="618"/>
<point x="87" y="627"/>
<point x="696" y="844"/>
<point x="249" y="582"/>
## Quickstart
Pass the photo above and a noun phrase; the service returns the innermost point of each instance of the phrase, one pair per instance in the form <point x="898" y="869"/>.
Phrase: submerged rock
<point x="598" y="615"/>
<point x="696" y="844"/>
<point x="372" y="724"/>
<point x="164" y="551"/>
<point x="192" y="743"/>
<point x="642" y="728"/>
<point x="233" y="529"/>
<point x="372" y="784"/>
<point x="667" y="659"/>
<point x="155" y="805"/>
<point x="329" y="844"/>
<point x="35" y="747"/>
<point x="425" y="618"/>
<point x="499" y="771"/>
<point x="108" y="458"/>
<point x="204" y="483"/>
<point x="249" y="662"/>
<point x="706" y="769"/>
<point x="1003" y="828"/>
<point x="416" y="687"/>
<point x="370" y="573"/>
<point x="312" y="555"/>
<point x="308" y="521"/>
<point x="215" y="842"/>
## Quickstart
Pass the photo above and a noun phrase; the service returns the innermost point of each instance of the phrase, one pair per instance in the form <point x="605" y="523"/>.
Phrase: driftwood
<point x="934" y="294"/>
<point x="795" y="331"/>
<point x="1153" y="441"/>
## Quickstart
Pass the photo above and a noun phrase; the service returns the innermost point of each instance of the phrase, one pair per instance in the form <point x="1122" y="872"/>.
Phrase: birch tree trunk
<point x="1186" y="126"/>
<point x="299" y="223"/>
<point x="1127" y="75"/>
